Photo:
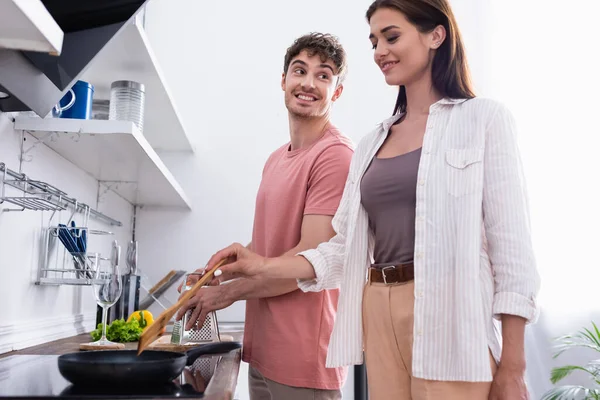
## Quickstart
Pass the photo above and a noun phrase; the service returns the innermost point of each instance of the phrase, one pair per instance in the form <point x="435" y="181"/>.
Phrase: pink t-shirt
<point x="286" y="337"/>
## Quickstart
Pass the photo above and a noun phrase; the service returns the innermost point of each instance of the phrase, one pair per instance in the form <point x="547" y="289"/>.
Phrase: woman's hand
<point x="508" y="384"/>
<point x="240" y="262"/>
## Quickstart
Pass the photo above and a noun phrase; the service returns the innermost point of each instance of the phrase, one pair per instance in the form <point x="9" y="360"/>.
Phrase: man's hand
<point x="509" y="384"/>
<point x="207" y="299"/>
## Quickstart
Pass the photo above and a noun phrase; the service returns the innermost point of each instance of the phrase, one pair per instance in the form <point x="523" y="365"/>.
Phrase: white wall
<point x="545" y="68"/>
<point x="32" y="314"/>
<point x="224" y="70"/>
<point x="223" y="63"/>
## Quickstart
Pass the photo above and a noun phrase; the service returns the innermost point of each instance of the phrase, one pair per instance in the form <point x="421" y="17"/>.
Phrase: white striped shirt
<point x="473" y="252"/>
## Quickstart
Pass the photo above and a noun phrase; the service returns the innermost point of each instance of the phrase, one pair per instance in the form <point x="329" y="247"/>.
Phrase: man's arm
<point x="315" y="230"/>
<point x="324" y="191"/>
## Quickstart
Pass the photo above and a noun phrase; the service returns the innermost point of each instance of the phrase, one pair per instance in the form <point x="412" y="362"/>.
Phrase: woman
<point x="432" y="242"/>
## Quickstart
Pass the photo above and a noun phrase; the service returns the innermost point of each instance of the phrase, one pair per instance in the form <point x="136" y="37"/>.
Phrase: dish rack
<point x="59" y="266"/>
<point x="64" y="256"/>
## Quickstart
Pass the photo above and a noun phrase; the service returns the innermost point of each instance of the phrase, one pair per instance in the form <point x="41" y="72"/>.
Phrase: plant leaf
<point x="571" y="392"/>
<point x="584" y="338"/>
<point x="560" y="373"/>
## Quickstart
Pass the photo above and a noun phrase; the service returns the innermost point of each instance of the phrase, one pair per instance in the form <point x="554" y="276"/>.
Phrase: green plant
<point x="120" y="331"/>
<point x="587" y="338"/>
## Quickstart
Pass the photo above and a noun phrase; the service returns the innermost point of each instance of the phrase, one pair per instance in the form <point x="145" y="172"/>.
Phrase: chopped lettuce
<point x="120" y="331"/>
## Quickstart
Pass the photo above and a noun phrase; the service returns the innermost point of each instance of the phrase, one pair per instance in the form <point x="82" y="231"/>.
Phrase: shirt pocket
<point x="464" y="171"/>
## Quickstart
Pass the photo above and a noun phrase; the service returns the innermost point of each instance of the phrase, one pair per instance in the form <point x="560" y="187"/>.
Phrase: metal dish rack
<point x="41" y="196"/>
<point x="57" y="264"/>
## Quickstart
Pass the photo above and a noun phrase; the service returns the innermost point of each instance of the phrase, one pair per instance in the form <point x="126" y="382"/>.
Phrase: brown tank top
<point x="388" y="194"/>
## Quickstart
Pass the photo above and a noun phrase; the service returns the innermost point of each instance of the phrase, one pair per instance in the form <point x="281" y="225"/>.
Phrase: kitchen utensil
<point x="164" y="343"/>
<point x="157" y="290"/>
<point x="64" y="104"/>
<point x="153" y="332"/>
<point x="84" y="240"/>
<point x="126" y="367"/>
<point x="207" y="331"/>
<point x="128" y="257"/>
<point x="77" y="103"/>
<point x="177" y="333"/>
<point x="135" y="258"/>
<point x="131" y="259"/>
<point x="71" y="244"/>
<point x="79" y="236"/>
<point x="127" y="102"/>
<point x="129" y="300"/>
<point x="100" y="109"/>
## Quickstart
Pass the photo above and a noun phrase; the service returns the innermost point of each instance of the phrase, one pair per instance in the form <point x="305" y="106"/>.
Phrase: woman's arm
<point x="506" y="221"/>
<point x="507" y="230"/>
<point x="316" y="269"/>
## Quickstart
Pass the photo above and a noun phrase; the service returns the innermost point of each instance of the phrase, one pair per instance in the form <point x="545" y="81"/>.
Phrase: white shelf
<point x="27" y="25"/>
<point x="128" y="56"/>
<point x="114" y="152"/>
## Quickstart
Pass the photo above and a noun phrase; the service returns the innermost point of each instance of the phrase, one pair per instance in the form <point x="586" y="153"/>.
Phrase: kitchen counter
<point x="220" y="387"/>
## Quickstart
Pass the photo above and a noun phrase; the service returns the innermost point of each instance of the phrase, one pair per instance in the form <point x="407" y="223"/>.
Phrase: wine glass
<point x="107" y="289"/>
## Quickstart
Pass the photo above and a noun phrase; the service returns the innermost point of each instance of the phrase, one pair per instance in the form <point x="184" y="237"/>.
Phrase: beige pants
<point x="262" y="388"/>
<point x="388" y="335"/>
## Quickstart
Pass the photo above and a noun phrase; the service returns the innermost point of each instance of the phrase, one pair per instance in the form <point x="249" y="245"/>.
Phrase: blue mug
<point x="77" y="103"/>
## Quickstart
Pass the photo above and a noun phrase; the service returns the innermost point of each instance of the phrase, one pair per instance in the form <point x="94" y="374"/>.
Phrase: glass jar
<point x="127" y="102"/>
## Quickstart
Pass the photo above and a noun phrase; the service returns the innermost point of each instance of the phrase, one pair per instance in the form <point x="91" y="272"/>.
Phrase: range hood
<point x="37" y="81"/>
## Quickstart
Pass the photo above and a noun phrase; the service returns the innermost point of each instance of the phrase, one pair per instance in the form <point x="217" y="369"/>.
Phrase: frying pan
<point x="118" y="367"/>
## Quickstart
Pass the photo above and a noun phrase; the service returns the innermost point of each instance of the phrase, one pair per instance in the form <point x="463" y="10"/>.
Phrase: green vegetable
<point x="120" y="331"/>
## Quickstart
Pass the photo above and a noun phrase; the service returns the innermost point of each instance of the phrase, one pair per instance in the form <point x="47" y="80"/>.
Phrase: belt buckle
<point x="383" y="273"/>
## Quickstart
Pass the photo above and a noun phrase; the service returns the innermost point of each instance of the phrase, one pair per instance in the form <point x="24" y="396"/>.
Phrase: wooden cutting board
<point x="164" y="343"/>
<point x="89" y="346"/>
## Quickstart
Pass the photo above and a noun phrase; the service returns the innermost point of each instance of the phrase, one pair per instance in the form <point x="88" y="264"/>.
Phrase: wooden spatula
<point x="154" y="330"/>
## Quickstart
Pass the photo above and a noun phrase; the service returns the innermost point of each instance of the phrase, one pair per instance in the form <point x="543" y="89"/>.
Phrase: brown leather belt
<point x="392" y="274"/>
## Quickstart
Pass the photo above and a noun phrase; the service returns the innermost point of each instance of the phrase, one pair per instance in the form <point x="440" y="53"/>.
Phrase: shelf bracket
<point x="107" y="186"/>
<point x="48" y="136"/>
<point x="23" y="157"/>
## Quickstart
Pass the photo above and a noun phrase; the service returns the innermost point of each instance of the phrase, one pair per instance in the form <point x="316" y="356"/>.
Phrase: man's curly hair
<point x="323" y="44"/>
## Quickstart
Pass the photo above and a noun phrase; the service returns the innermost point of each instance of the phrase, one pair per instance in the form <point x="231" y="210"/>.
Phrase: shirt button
<point x="420" y="219"/>
<point x="419" y="255"/>
<point x="420" y="333"/>
<point x="421" y="182"/>
<point x="420" y="294"/>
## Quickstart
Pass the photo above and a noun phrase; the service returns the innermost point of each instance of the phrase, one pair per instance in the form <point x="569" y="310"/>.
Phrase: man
<point x="286" y="332"/>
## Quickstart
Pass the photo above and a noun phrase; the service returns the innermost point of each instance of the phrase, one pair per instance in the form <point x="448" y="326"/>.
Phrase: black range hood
<point x="37" y="81"/>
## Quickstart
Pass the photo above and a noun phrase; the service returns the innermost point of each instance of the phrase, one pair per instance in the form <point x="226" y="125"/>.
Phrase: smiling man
<point x="287" y="331"/>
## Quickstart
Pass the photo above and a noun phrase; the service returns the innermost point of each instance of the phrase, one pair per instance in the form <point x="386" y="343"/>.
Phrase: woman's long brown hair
<point x="450" y="71"/>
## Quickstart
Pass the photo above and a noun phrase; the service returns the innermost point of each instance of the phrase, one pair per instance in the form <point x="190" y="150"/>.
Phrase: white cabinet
<point x="27" y="25"/>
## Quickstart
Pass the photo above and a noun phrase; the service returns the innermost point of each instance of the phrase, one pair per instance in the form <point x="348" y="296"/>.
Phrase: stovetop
<point x="37" y="376"/>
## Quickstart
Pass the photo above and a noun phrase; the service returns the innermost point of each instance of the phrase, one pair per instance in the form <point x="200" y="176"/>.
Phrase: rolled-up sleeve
<point x="506" y="222"/>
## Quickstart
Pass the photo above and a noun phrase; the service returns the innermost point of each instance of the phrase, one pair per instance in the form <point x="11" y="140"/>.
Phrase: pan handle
<point x="210" y="348"/>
